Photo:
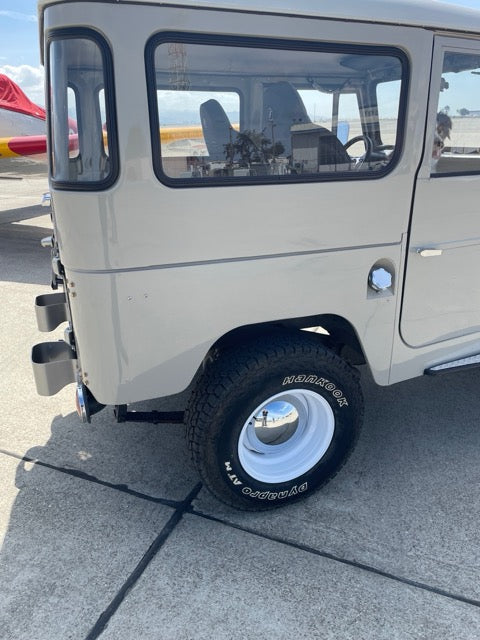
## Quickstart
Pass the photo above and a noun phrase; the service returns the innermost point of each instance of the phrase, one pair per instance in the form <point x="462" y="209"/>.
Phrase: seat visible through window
<point x="217" y="130"/>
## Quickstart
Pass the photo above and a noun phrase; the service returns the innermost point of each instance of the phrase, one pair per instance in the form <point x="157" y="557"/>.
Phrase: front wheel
<point x="272" y="421"/>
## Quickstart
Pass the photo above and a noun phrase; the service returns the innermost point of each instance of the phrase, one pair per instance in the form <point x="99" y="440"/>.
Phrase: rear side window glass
<point x="81" y="112"/>
<point x="261" y="111"/>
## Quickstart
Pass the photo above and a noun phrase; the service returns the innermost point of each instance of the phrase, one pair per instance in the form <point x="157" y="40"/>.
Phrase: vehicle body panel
<point x="161" y="273"/>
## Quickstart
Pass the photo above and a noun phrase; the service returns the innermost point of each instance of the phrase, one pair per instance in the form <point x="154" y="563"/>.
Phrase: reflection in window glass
<point x="78" y="111"/>
<point x="456" y="146"/>
<point x="388" y="95"/>
<point x="72" y="123"/>
<point x="103" y="118"/>
<point x="319" y="106"/>
<point x="349" y="123"/>
<point x="228" y="112"/>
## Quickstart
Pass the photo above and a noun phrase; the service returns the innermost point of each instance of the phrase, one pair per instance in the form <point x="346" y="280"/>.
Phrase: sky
<point x="19" y="44"/>
<point x="19" y="48"/>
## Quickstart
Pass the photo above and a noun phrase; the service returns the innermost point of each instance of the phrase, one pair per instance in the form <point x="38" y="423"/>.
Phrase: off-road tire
<point x="236" y="382"/>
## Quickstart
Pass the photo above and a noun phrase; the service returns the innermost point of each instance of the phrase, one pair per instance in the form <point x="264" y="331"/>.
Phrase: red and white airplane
<point x="22" y="123"/>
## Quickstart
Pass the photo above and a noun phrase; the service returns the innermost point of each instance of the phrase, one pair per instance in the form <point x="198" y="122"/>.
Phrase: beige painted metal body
<point x="160" y="273"/>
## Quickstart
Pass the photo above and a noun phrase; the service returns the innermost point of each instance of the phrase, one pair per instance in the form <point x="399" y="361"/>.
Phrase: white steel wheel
<point x="286" y="436"/>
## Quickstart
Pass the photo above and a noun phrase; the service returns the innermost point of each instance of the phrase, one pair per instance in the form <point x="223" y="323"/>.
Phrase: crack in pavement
<point x="185" y="506"/>
<point x="136" y="574"/>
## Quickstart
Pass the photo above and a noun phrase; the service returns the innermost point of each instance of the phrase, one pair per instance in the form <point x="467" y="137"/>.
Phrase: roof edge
<point x="433" y="14"/>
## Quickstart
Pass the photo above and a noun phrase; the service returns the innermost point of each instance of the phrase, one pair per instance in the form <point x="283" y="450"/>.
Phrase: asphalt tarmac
<point x="105" y="531"/>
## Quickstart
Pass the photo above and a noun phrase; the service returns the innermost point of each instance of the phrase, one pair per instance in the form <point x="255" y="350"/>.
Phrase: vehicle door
<point x="442" y="289"/>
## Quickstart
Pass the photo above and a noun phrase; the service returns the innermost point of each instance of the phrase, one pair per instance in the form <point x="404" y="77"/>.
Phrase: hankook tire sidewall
<point x="238" y="411"/>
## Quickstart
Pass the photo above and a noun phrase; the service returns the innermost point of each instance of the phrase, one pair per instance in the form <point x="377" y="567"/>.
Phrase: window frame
<point x="166" y="37"/>
<point x="110" y="109"/>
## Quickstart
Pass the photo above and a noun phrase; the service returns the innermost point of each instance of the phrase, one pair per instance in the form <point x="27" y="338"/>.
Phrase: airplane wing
<point x="19" y="116"/>
<point x="22" y="123"/>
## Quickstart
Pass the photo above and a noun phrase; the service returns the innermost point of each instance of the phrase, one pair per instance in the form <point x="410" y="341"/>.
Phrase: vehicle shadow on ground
<point x="18" y="214"/>
<point x="89" y="503"/>
<point x="150" y="459"/>
<point x="22" y="259"/>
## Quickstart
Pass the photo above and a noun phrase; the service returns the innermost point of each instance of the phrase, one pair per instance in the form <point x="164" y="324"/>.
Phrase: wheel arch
<point x="334" y="331"/>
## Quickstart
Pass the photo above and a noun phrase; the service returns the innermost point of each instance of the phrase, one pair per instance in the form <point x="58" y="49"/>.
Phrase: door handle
<point x="429" y="253"/>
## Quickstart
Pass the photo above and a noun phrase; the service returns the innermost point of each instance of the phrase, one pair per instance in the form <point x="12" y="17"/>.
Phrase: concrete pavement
<point x="106" y="532"/>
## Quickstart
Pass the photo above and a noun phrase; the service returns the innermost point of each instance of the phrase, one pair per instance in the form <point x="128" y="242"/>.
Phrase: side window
<point x="456" y="146"/>
<point x="243" y="111"/>
<point x="81" y="111"/>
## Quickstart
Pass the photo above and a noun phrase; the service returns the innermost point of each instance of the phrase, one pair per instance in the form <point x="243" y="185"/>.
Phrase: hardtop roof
<point x="420" y="13"/>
